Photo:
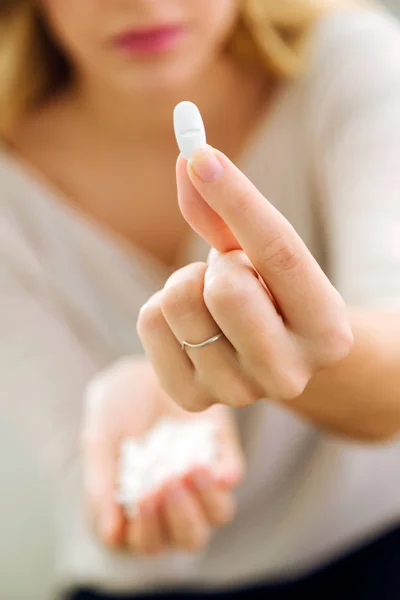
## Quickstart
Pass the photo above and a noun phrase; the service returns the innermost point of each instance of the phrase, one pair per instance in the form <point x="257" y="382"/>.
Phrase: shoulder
<point x="12" y="216"/>
<point x="23" y="220"/>
<point x="347" y="34"/>
<point x="353" y="68"/>
<point x="354" y="57"/>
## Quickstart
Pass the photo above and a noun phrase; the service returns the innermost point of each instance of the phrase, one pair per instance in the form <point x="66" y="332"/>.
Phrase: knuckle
<point x="280" y="254"/>
<point x="196" y="402"/>
<point x="338" y="342"/>
<point x="335" y="338"/>
<point x="290" y="386"/>
<point x="150" y="318"/>
<point x="281" y="384"/>
<point x="191" y="398"/>
<point x="241" y="398"/>
<point x="226" y="292"/>
<point x="184" y="294"/>
<point x="241" y="202"/>
<point x="219" y="387"/>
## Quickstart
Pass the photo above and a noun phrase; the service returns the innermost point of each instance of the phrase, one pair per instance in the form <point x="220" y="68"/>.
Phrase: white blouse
<point x="328" y="156"/>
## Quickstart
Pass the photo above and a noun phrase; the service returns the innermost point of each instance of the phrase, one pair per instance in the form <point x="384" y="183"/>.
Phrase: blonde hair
<point x="32" y="67"/>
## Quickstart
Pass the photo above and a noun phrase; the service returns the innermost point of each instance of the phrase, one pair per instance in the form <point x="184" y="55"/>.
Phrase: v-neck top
<point x="327" y="157"/>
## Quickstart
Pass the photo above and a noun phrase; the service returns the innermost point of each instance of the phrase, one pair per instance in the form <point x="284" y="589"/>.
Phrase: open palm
<point x="125" y="401"/>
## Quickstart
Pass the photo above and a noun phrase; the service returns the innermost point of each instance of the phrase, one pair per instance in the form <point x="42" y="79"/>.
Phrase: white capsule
<point x="189" y="128"/>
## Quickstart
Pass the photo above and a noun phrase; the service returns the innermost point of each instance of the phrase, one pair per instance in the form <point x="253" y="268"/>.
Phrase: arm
<point x="296" y="345"/>
<point x="357" y="158"/>
<point x="360" y="397"/>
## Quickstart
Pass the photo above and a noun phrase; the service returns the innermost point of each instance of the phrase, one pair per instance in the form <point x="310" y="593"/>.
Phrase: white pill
<point x="189" y="128"/>
<point x="170" y="448"/>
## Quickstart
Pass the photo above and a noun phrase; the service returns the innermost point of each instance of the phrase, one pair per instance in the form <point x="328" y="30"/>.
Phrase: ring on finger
<point x="211" y="340"/>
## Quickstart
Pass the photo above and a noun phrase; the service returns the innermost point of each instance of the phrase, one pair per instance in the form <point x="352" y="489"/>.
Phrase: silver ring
<point x="213" y="339"/>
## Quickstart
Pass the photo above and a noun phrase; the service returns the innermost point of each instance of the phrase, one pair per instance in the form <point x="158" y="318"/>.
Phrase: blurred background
<point x="393" y="5"/>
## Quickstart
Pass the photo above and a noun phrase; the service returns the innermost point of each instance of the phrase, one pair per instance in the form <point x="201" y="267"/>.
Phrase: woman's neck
<point x="129" y="118"/>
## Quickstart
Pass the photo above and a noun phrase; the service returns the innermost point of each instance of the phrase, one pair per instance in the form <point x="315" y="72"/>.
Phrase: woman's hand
<point x="281" y="318"/>
<point x="126" y="401"/>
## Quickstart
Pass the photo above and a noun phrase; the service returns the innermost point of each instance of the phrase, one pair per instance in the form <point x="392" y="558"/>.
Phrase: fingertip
<point x="205" y="167"/>
<point x="111" y="528"/>
<point x="199" y="479"/>
<point x="229" y="479"/>
<point x="181" y="165"/>
<point x="230" y="474"/>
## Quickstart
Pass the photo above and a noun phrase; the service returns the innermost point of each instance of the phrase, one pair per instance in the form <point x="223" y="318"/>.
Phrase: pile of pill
<point x="169" y="449"/>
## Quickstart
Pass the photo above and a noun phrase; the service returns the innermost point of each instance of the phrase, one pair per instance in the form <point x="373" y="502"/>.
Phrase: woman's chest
<point x="134" y="198"/>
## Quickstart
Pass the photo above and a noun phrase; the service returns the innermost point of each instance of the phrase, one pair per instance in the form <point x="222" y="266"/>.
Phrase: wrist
<point x="358" y="397"/>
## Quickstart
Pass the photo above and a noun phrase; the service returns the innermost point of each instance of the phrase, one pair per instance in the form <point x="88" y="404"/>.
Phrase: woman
<point x="91" y="230"/>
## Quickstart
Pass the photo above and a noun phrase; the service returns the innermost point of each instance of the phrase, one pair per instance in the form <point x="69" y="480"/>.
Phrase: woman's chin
<point x="152" y="86"/>
<point x="161" y="78"/>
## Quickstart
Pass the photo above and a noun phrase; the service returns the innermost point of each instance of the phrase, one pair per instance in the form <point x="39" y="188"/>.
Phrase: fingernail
<point x="147" y="508"/>
<point x="176" y="492"/>
<point x="226" y="479"/>
<point x="222" y="475"/>
<point x="202" y="480"/>
<point x="206" y="165"/>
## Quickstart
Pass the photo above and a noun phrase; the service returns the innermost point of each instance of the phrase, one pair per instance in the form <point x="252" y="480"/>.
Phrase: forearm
<point x="360" y="397"/>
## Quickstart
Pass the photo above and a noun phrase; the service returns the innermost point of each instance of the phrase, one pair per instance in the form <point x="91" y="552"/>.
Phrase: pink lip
<point x="150" y="41"/>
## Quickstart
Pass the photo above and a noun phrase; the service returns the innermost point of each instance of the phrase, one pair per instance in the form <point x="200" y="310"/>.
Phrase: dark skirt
<point x="371" y="572"/>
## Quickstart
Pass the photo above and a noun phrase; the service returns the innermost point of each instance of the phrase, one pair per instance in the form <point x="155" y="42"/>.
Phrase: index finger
<point x="200" y="216"/>
<point x="299" y="286"/>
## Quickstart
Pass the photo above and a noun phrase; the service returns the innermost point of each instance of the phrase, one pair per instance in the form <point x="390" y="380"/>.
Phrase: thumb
<point x="100" y="454"/>
<point x="200" y="216"/>
<point x="230" y="466"/>
<point x="100" y="463"/>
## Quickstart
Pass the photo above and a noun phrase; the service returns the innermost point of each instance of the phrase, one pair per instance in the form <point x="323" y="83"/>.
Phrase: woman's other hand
<point x="281" y="318"/>
<point x="126" y="401"/>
